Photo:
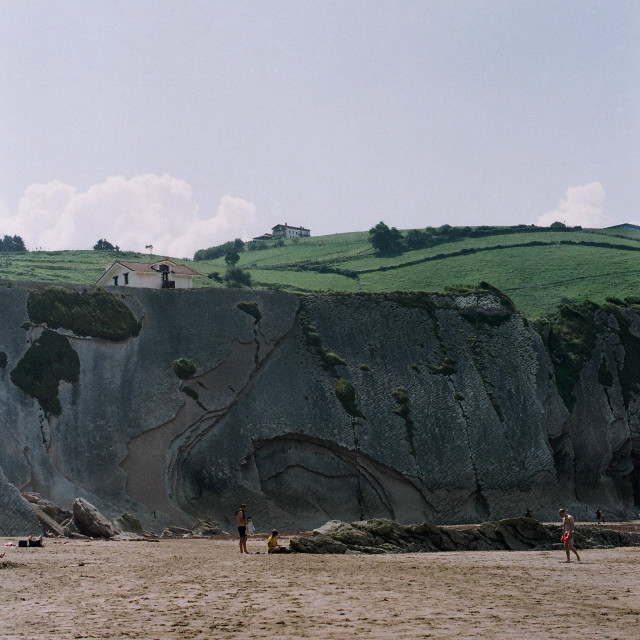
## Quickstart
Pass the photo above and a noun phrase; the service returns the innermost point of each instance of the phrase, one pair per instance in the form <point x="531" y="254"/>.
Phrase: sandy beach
<point x="204" y="588"/>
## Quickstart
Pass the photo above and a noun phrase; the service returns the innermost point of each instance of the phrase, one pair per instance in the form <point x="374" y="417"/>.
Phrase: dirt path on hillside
<point x="206" y="589"/>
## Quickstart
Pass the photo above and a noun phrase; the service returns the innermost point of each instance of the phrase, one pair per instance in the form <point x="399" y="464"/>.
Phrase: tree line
<point x="12" y="243"/>
<point x="389" y="240"/>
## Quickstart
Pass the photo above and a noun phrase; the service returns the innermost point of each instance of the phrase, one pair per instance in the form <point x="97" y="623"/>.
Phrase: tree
<point x="232" y="258"/>
<point x="12" y="243"/>
<point x="220" y="250"/>
<point x="237" y="277"/>
<point x="386" y="240"/>
<point x="103" y="245"/>
<point x="417" y="239"/>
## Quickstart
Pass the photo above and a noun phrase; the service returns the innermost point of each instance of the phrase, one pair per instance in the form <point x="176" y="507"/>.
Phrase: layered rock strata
<point x="410" y="407"/>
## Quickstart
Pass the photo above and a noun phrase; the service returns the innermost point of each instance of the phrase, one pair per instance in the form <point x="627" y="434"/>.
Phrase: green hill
<point x="538" y="268"/>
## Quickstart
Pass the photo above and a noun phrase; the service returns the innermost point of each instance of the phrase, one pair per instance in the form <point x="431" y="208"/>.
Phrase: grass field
<point x="539" y="269"/>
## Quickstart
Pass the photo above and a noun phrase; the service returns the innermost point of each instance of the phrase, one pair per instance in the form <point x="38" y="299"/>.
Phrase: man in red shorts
<point x="568" y="528"/>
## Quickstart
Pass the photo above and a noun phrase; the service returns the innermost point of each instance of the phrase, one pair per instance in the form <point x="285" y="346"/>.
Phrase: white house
<point x="285" y="231"/>
<point x="163" y="274"/>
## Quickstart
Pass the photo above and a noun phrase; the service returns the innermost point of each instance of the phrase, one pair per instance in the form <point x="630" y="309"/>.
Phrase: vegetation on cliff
<point x="251" y="308"/>
<point x="98" y="314"/>
<point x="184" y="368"/>
<point x="570" y="337"/>
<point x="49" y="360"/>
<point x="401" y="396"/>
<point x="346" y="393"/>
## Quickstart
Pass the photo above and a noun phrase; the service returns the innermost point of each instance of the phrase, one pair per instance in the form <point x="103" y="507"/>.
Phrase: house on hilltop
<point x="285" y="231"/>
<point x="163" y="274"/>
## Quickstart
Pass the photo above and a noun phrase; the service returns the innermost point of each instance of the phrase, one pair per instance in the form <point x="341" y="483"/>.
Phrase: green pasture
<point x="565" y="267"/>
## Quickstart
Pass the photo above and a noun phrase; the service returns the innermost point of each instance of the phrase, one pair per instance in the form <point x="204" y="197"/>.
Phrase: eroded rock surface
<point x="513" y="534"/>
<point x="453" y="415"/>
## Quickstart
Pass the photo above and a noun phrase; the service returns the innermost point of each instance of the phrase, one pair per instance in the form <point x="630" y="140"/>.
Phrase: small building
<point x="163" y="274"/>
<point x="264" y="236"/>
<point x="285" y="231"/>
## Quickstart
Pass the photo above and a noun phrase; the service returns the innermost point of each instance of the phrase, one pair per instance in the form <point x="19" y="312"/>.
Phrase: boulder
<point x="206" y="526"/>
<point x="90" y="521"/>
<point x="176" y="532"/>
<point x="46" y="521"/>
<point x="70" y="530"/>
<point x="31" y="496"/>
<point x="53" y="510"/>
<point x="128" y="523"/>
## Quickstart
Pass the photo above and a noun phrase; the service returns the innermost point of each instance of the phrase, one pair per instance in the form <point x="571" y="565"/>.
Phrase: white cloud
<point x="582" y="206"/>
<point x="132" y="213"/>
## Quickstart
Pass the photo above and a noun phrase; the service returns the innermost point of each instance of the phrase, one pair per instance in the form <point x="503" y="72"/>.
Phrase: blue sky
<point x="186" y="124"/>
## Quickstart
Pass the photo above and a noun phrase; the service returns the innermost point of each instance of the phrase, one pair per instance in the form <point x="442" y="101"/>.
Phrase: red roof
<point x="147" y="267"/>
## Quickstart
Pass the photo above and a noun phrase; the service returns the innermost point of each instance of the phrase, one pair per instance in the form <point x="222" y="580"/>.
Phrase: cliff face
<point x="447" y="411"/>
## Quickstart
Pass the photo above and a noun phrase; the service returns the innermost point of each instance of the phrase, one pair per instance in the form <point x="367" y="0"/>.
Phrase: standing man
<point x="242" y="520"/>
<point x="568" y="529"/>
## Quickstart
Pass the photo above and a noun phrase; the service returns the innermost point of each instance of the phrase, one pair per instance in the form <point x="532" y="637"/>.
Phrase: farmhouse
<point x="163" y="274"/>
<point x="285" y="231"/>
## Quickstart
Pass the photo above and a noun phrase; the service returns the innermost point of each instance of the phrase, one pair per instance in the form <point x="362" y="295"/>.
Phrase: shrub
<point x="48" y="360"/>
<point x="98" y="314"/>
<point x="331" y="358"/>
<point x="446" y="367"/>
<point x="347" y="395"/>
<point x="237" y="277"/>
<point x="364" y="367"/>
<point x="184" y="368"/>
<point x="251" y="308"/>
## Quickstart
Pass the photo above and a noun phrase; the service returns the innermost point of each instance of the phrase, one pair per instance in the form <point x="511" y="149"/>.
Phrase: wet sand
<point x="204" y="588"/>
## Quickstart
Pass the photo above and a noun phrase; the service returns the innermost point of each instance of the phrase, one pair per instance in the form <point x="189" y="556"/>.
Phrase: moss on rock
<point x="48" y="360"/>
<point x="251" y="308"/>
<point x="184" y="368"/>
<point x="98" y="314"/>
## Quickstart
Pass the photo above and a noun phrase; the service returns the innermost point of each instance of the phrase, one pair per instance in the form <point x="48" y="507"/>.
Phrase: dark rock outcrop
<point x="16" y="518"/>
<point x="296" y="410"/>
<point x="513" y="534"/>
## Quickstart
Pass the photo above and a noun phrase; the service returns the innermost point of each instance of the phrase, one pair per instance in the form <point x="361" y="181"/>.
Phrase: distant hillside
<point x="538" y="269"/>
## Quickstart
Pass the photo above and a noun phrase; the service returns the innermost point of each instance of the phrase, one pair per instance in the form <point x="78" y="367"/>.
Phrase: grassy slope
<point x="538" y="278"/>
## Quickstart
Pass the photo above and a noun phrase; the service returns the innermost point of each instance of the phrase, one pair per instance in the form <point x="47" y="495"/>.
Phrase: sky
<point x="185" y="124"/>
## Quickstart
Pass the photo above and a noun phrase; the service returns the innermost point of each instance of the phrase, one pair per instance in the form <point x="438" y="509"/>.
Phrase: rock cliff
<point x="411" y="407"/>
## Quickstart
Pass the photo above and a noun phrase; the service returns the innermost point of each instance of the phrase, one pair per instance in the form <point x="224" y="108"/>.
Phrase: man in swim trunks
<point x="242" y="521"/>
<point x="568" y="528"/>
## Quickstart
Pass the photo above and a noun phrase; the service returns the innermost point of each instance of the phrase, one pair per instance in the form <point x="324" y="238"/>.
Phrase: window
<point x="115" y="281"/>
<point x="126" y="278"/>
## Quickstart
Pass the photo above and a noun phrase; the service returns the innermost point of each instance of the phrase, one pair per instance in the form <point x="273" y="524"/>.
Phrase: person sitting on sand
<point x="272" y="544"/>
<point x="568" y="529"/>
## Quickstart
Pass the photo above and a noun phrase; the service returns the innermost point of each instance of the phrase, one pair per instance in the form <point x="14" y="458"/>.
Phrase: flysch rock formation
<point x="16" y="517"/>
<point x="451" y="416"/>
<point x="512" y="534"/>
